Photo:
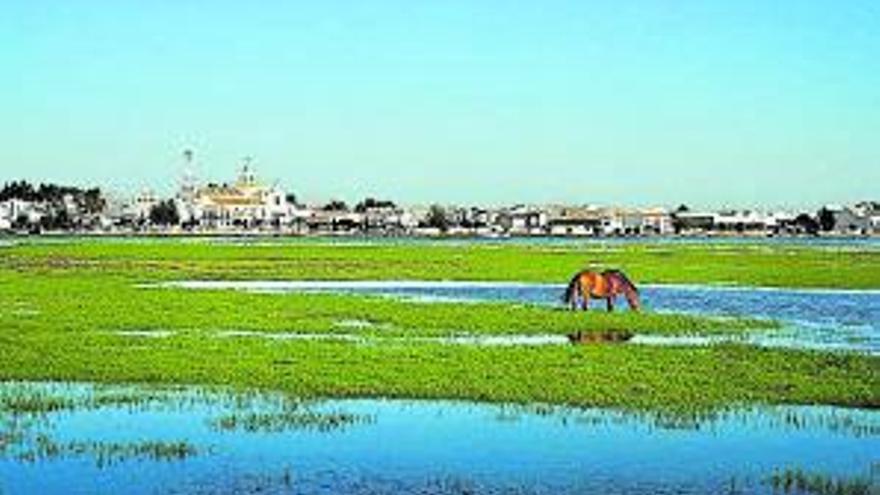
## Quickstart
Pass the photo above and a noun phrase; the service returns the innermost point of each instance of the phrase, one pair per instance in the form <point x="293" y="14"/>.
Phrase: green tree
<point x="164" y="213"/>
<point x="437" y="218"/>
<point x="335" y="205"/>
<point x="807" y="223"/>
<point x="826" y="219"/>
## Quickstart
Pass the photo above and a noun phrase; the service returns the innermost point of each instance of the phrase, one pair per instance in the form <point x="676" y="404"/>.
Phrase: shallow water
<point x="419" y="446"/>
<point x="812" y="318"/>
<point x="269" y="239"/>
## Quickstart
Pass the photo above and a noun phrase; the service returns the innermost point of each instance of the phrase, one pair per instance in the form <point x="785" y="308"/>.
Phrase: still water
<point x="89" y="443"/>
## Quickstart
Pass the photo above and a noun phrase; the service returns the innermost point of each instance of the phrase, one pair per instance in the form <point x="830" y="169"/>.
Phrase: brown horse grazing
<point x="609" y="284"/>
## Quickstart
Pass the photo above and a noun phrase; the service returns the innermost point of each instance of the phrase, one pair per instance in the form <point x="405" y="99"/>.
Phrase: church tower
<point x="247" y="177"/>
<point x="188" y="177"/>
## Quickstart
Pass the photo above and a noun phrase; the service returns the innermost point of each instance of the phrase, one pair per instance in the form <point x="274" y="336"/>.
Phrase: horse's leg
<point x="575" y="296"/>
<point x="585" y="300"/>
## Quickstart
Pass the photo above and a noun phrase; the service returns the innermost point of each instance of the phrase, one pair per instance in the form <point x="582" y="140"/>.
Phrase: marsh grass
<point x="275" y="422"/>
<point x="798" y="481"/>
<point x="106" y="454"/>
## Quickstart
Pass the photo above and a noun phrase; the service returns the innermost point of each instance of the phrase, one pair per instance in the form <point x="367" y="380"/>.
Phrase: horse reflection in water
<point x="608" y="284"/>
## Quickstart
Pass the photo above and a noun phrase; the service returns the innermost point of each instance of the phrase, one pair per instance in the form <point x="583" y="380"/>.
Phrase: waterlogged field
<point x="114" y="312"/>
<point x="186" y="440"/>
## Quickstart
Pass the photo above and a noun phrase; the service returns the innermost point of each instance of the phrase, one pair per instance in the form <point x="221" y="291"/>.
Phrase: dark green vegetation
<point x="798" y="481"/>
<point x="66" y="304"/>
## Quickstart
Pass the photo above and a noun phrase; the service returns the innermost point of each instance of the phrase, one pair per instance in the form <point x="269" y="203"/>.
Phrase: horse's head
<point x="635" y="303"/>
<point x="629" y="289"/>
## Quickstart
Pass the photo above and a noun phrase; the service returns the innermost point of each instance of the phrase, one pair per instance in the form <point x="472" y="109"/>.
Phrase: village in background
<point x="249" y="206"/>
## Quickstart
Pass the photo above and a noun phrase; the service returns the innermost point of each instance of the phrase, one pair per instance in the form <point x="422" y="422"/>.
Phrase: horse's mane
<point x="622" y="276"/>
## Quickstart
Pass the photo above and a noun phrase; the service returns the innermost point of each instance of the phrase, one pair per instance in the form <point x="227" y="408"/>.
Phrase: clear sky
<point x="743" y="102"/>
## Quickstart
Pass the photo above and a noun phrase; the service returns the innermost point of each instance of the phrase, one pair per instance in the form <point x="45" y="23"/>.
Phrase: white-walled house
<point x="523" y="220"/>
<point x="5" y="216"/>
<point x="694" y="222"/>
<point x="16" y="210"/>
<point x="574" y="221"/>
<point x="334" y="221"/>
<point x="139" y="209"/>
<point x="870" y="210"/>
<point x="387" y="219"/>
<point x="875" y="223"/>
<point x="849" y="220"/>
<point x="656" y="221"/>
<point x="622" y="221"/>
<point x="740" y="221"/>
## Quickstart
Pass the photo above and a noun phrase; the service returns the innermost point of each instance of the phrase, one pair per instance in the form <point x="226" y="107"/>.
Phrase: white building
<point x="388" y="219"/>
<point x="334" y="221"/>
<point x="523" y="220"/>
<point x="574" y="221"/>
<point x="656" y="221"/>
<point x="740" y="221"/>
<point x="244" y="204"/>
<point x="5" y="216"/>
<point x="15" y="210"/>
<point x="139" y="209"/>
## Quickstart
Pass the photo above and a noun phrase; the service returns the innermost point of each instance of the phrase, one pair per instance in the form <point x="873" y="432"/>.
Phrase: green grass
<point x="761" y="265"/>
<point x="98" y="303"/>
<point x="632" y="377"/>
<point x="63" y="306"/>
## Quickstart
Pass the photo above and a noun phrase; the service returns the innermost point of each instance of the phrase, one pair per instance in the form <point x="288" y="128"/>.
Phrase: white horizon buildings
<point x="245" y="203"/>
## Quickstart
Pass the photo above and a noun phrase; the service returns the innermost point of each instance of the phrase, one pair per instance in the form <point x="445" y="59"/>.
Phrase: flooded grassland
<point x="82" y="438"/>
<point x="79" y="319"/>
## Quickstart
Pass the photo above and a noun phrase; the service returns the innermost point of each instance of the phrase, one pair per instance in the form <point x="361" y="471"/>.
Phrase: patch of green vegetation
<point x="632" y="377"/>
<point x="798" y="481"/>
<point x="743" y="264"/>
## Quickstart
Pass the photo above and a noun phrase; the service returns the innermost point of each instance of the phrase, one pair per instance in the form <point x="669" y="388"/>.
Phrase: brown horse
<point x="587" y="284"/>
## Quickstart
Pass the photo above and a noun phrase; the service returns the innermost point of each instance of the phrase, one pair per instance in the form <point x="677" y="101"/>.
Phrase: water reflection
<point x="191" y="440"/>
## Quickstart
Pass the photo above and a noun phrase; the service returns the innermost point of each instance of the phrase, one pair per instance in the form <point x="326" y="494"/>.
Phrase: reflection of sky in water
<point x="812" y="318"/>
<point x="410" y="443"/>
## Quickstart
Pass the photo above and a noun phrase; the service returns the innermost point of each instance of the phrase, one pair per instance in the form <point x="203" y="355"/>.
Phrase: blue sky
<point x="733" y="103"/>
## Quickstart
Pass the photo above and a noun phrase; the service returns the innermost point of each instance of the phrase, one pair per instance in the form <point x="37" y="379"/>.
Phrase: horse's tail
<point x="571" y="289"/>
